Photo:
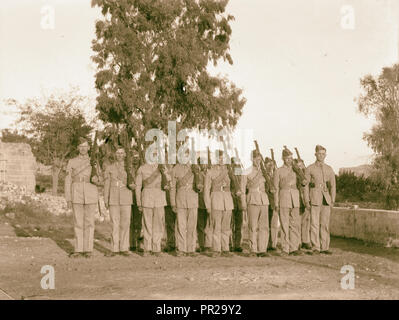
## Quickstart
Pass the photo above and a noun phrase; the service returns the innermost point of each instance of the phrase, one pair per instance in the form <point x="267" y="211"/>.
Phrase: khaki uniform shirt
<point x="217" y="195"/>
<point x="151" y="196"/>
<point x="317" y="175"/>
<point x="287" y="193"/>
<point x="115" y="186"/>
<point x="78" y="188"/>
<point x="256" y="189"/>
<point x="183" y="195"/>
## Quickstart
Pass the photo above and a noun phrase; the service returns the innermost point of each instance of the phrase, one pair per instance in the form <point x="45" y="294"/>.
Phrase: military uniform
<point x="287" y="199"/>
<point x="203" y="221"/>
<point x="120" y="199"/>
<point x="84" y="198"/>
<point x="219" y="203"/>
<point x="322" y="193"/>
<point x="185" y="200"/>
<point x="151" y="198"/>
<point x="257" y="204"/>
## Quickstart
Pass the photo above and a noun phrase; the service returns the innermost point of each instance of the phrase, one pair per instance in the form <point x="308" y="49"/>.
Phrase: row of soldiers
<point x="205" y="205"/>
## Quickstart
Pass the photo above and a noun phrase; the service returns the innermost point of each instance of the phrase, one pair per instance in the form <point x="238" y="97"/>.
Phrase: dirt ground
<point x="168" y="277"/>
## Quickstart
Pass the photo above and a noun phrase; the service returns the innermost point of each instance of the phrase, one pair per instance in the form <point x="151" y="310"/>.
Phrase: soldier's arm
<point x="306" y="187"/>
<point x="333" y="186"/>
<point x="243" y="189"/>
<point x="173" y="187"/>
<point x="139" y="183"/>
<point x="107" y="185"/>
<point x="68" y="182"/>
<point x="276" y="185"/>
<point x="207" y="190"/>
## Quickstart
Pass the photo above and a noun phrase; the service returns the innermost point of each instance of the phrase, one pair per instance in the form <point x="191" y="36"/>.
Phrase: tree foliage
<point x="12" y="136"/>
<point x="380" y="99"/>
<point x="53" y="125"/>
<point x="152" y="58"/>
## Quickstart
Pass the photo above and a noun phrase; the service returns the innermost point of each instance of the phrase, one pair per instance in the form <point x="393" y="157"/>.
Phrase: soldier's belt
<point x="320" y="186"/>
<point x="81" y="179"/>
<point x="152" y="188"/>
<point x="185" y="188"/>
<point x="221" y="188"/>
<point x="293" y="187"/>
<point x="118" y="184"/>
<point x="258" y="189"/>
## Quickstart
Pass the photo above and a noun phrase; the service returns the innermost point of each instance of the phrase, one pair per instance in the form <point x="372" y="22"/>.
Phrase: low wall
<point x="378" y="226"/>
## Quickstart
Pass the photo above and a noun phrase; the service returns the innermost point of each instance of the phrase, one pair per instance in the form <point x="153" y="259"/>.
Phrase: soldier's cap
<point x="320" y="148"/>
<point x="268" y="160"/>
<point x="82" y="141"/>
<point x="286" y="152"/>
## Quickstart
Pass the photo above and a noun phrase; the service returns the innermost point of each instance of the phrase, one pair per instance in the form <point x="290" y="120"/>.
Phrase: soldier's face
<point x="120" y="154"/>
<point x="301" y="165"/>
<point x="287" y="160"/>
<point x="321" y="155"/>
<point x="83" y="149"/>
<point x="257" y="162"/>
<point x="269" y="166"/>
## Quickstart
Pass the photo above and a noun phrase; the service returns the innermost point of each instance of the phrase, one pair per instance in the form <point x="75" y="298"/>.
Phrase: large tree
<point x="53" y="125"/>
<point x="380" y="99"/>
<point x="152" y="58"/>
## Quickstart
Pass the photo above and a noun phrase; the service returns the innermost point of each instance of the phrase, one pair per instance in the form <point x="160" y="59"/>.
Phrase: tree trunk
<point x="55" y="174"/>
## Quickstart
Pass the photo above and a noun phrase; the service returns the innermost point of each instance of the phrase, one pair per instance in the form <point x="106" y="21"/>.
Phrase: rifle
<point x="300" y="172"/>
<point x="128" y="161"/>
<point x="269" y="185"/>
<point x="94" y="175"/>
<point x="209" y="158"/>
<point x="274" y="161"/>
<point x="165" y="181"/>
<point x="198" y="186"/>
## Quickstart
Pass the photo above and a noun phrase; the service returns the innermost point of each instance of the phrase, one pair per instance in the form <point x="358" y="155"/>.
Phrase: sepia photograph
<point x="212" y="151"/>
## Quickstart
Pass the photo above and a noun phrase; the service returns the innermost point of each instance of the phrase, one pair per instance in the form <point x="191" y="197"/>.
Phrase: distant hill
<point x="364" y="169"/>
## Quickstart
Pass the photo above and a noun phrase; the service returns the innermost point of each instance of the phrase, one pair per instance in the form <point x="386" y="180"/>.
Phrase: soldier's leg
<point x="294" y="229"/>
<point x="78" y="214"/>
<point x="135" y="228"/>
<point x="225" y="230"/>
<point x="325" y="213"/>
<point x="115" y="215"/>
<point x="124" y="228"/>
<point x="88" y="234"/>
<point x="284" y="215"/>
<point x="158" y="226"/>
<point x="315" y="227"/>
<point x="216" y="225"/>
<point x="263" y="228"/>
<point x="208" y="231"/>
<point x="274" y="226"/>
<point x="237" y="228"/>
<point x="253" y="217"/>
<point x="201" y="223"/>
<point x="181" y="229"/>
<point x="191" y="229"/>
<point x="147" y="228"/>
<point x="305" y="227"/>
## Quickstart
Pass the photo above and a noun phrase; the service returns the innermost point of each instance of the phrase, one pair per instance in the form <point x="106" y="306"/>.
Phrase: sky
<point x="298" y="62"/>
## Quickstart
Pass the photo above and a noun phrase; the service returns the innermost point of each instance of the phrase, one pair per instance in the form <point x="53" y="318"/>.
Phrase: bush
<point x="46" y="182"/>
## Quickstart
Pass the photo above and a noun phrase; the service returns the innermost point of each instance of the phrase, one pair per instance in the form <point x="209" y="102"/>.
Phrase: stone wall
<point x="379" y="226"/>
<point x="17" y="164"/>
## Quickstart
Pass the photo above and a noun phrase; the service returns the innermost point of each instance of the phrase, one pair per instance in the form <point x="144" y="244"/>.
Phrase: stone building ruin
<point x="18" y="165"/>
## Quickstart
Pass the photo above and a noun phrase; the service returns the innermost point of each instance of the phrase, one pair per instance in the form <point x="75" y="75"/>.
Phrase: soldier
<point x="237" y="215"/>
<point x="118" y="198"/>
<point x="219" y="205"/>
<point x="273" y="214"/>
<point x="287" y="201"/>
<point x="184" y="200"/>
<point x="322" y="193"/>
<point x="151" y="201"/>
<point x="203" y="220"/>
<point x="256" y="203"/>
<point x="82" y="196"/>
